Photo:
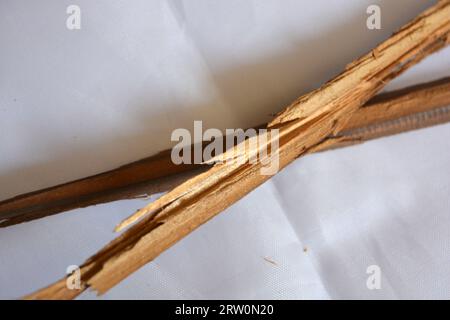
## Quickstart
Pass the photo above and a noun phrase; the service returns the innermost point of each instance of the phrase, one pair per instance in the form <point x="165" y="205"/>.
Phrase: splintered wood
<point x="398" y="111"/>
<point x="304" y="126"/>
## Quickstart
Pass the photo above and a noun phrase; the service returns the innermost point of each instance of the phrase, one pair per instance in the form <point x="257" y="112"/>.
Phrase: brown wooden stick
<point x="304" y="125"/>
<point x="159" y="174"/>
<point x="394" y="112"/>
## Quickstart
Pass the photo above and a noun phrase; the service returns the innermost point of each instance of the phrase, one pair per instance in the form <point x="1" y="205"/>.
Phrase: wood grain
<point x="157" y="174"/>
<point x="304" y="126"/>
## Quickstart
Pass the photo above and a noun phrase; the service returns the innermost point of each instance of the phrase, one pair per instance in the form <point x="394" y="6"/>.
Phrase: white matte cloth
<point x="78" y="102"/>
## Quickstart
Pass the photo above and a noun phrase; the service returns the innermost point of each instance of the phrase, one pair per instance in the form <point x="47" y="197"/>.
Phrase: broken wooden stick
<point x="304" y="126"/>
<point x="383" y="115"/>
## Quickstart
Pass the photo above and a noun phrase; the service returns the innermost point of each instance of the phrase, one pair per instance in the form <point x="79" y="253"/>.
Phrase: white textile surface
<point x="78" y="102"/>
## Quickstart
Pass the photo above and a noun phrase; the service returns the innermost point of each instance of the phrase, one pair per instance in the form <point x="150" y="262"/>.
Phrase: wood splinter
<point x="386" y="114"/>
<point x="304" y="126"/>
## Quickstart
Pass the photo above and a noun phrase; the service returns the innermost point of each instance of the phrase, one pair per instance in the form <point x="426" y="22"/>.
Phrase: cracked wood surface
<point x="304" y="126"/>
<point x="158" y="174"/>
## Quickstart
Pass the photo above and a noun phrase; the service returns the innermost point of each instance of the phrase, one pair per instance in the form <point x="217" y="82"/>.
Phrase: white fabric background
<point x="75" y="103"/>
